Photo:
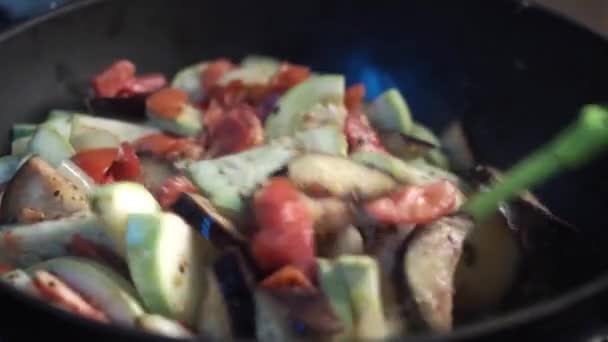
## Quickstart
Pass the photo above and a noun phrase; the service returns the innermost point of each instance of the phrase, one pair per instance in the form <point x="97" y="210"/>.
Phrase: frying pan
<point x="513" y="73"/>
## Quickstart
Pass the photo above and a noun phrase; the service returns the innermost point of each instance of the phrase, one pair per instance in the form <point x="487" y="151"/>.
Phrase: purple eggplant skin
<point x="237" y="283"/>
<point x="125" y="108"/>
<point x="292" y="314"/>
<point x="200" y="214"/>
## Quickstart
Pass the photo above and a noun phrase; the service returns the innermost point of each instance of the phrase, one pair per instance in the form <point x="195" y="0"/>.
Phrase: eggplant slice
<point x="430" y="256"/>
<point x="202" y="215"/>
<point x="155" y="171"/>
<point x="38" y="192"/>
<point x="133" y="107"/>
<point x="293" y="314"/>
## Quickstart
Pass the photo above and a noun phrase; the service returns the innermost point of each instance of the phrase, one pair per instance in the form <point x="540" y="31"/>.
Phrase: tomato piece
<point x="415" y="204"/>
<point x="96" y="162"/>
<point x="143" y="85"/>
<point x="287" y="277"/>
<point x="56" y="291"/>
<point x="288" y="76"/>
<point x="157" y="144"/>
<point x="279" y="206"/>
<point x="126" y="167"/>
<point x="171" y="190"/>
<point x="237" y="130"/>
<point x="272" y="250"/>
<point x="215" y="71"/>
<point x="167" y="103"/>
<point x="360" y="134"/>
<point x="114" y="78"/>
<point x="353" y="98"/>
<point x="286" y="235"/>
<point x="5" y="268"/>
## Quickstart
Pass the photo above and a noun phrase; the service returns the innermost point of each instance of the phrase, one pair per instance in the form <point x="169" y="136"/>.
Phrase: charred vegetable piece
<point x="427" y="273"/>
<point x="25" y="245"/>
<point x="202" y="216"/>
<point x="157" y="324"/>
<point x="38" y="192"/>
<point x="236" y="283"/>
<point x="328" y="175"/>
<point x="167" y="259"/>
<point x="102" y="287"/>
<point x="294" y="314"/>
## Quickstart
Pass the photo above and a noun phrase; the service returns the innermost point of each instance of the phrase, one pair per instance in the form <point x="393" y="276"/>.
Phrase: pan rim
<point x="502" y="322"/>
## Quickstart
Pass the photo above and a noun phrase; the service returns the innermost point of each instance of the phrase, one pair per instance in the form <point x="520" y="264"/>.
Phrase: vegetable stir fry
<point x="252" y="200"/>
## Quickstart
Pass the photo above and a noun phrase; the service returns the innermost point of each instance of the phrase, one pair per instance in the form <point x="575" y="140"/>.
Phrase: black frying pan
<point x="515" y="75"/>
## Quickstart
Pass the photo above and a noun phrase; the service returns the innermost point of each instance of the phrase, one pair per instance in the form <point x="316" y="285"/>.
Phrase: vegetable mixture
<point x="253" y="200"/>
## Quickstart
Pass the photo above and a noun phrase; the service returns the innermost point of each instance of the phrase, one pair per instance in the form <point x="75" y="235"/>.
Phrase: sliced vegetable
<point x="88" y="138"/>
<point x="214" y="320"/>
<point x="428" y="278"/>
<point x="390" y="112"/>
<point x="252" y="72"/>
<point x="169" y="109"/>
<point x="313" y="103"/>
<point x="167" y="259"/>
<point x="406" y="146"/>
<point x="76" y="176"/>
<point x="157" y="324"/>
<point x="328" y="175"/>
<point x="228" y="180"/>
<point x="115" y="202"/>
<point x="143" y="84"/>
<point x="102" y="287"/>
<point x="411" y="172"/>
<point x="326" y="139"/>
<point x="126" y="167"/>
<point x="202" y="215"/>
<point x="50" y="146"/>
<point x="38" y="188"/>
<point x="336" y="289"/>
<point x="60" y="121"/>
<point x="289" y="315"/>
<point x="56" y="291"/>
<point x="236" y="282"/>
<point x="362" y="278"/>
<point x="26" y="244"/>
<point x="125" y="131"/>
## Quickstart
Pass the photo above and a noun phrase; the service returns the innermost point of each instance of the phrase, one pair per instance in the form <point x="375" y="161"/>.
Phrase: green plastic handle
<point x="585" y="139"/>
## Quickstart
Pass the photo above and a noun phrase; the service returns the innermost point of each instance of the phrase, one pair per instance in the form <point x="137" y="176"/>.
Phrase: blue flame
<point x="361" y="68"/>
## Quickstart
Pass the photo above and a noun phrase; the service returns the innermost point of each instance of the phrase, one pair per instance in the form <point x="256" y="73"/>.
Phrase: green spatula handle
<point x="586" y="138"/>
